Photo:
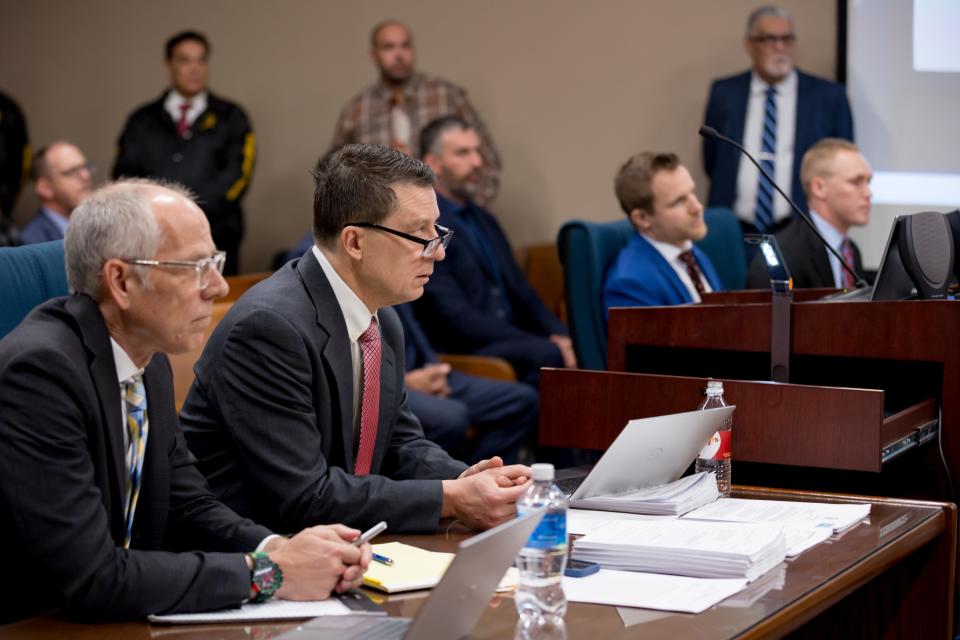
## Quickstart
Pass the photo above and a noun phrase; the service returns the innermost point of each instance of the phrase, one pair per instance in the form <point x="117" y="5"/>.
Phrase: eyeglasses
<point x="770" y="39"/>
<point x="204" y="267"/>
<point x="74" y="171"/>
<point x="429" y="246"/>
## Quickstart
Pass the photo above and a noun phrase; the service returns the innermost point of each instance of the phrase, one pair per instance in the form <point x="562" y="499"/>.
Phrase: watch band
<point x="265" y="576"/>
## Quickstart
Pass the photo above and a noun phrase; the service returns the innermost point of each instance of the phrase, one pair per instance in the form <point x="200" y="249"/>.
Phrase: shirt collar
<point x="449" y="207"/>
<point x="126" y="369"/>
<point x="785" y="86"/>
<point x="198" y="103"/>
<point x="386" y="90"/>
<point x="832" y="235"/>
<point x="670" y="252"/>
<point x="355" y="312"/>
<point x="57" y="219"/>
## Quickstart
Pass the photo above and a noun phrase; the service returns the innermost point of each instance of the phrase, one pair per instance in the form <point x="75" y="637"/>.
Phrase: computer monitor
<point x="918" y="259"/>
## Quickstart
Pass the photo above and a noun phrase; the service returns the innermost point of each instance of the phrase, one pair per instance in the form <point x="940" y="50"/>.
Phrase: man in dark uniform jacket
<point x="14" y="161"/>
<point x="102" y="509"/>
<point x="195" y="138"/>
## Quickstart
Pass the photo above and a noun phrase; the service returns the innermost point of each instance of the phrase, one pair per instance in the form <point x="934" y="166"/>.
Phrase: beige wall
<point x="568" y="88"/>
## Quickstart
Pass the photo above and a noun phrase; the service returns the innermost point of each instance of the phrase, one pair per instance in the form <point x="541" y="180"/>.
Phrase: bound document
<point x="685" y="548"/>
<point x="673" y="498"/>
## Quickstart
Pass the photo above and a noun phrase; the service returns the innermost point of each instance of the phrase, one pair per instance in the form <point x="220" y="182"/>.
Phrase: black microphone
<point x="710" y="132"/>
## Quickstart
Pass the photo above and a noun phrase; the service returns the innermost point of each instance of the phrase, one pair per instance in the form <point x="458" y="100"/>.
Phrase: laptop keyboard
<point x="569" y="485"/>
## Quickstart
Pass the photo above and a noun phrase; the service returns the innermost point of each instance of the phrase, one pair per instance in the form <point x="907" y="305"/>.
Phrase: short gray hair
<point x="115" y="221"/>
<point x="763" y="12"/>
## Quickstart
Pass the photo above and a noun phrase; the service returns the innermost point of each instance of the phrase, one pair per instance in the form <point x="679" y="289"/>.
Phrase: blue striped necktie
<point x="768" y="151"/>
<point x="135" y="398"/>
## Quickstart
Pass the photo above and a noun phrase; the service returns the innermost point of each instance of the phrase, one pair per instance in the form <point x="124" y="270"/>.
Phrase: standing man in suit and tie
<point x="299" y="412"/>
<point x="62" y="177"/>
<point x="102" y="510"/>
<point x="836" y="178"/>
<point x="479" y="301"/>
<point x="660" y="264"/>
<point x="196" y="138"/>
<point x="776" y="112"/>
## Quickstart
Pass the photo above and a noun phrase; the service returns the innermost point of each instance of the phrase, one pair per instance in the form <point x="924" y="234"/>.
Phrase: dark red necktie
<point x="693" y="270"/>
<point x="846" y="249"/>
<point x="370" y="403"/>
<point x="182" y="125"/>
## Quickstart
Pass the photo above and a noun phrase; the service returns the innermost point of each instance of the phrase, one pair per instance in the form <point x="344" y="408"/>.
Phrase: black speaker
<point x="953" y="219"/>
<point x="926" y="249"/>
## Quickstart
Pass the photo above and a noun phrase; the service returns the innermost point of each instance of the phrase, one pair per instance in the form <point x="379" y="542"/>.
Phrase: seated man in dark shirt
<point x="479" y="302"/>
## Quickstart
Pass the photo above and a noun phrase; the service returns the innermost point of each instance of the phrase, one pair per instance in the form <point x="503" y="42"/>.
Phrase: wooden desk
<point x="889" y="578"/>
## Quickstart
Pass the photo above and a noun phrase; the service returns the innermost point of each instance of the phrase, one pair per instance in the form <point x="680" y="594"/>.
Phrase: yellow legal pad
<point x="412" y="568"/>
<point x="416" y="568"/>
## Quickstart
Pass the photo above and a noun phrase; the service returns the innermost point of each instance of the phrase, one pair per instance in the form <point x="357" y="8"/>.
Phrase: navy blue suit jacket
<point x="461" y="309"/>
<point x="822" y="112"/>
<point x="640" y="277"/>
<point x="40" y="229"/>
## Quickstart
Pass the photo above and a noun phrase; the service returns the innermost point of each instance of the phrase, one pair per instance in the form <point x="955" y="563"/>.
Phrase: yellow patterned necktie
<point x="135" y="398"/>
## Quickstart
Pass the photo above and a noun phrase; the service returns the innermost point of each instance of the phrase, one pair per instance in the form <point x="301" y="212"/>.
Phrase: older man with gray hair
<point x="776" y="112"/>
<point x="101" y="508"/>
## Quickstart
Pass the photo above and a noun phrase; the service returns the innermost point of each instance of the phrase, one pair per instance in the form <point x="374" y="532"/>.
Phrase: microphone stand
<point x="710" y="132"/>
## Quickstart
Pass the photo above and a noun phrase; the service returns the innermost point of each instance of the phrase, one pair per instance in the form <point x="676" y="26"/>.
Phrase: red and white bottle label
<point x="718" y="447"/>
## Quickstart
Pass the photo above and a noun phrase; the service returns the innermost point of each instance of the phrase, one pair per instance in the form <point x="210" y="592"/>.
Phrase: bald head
<point x="391" y="49"/>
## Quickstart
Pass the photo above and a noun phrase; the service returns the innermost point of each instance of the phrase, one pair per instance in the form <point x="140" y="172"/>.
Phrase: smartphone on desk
<point x="580" y="568"/>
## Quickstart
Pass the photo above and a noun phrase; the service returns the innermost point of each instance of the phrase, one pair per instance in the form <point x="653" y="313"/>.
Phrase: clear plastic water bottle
<point x="540" y="600"/>
<point x="715" y="456"/>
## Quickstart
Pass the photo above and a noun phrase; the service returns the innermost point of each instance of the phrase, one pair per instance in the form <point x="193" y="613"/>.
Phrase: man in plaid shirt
<point x="393" y="111"/>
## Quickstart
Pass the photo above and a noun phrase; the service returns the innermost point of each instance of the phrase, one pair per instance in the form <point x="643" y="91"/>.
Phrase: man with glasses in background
<point x="102" y="509"/>
<point x="776" y="112"/>
<point x="62" y="176"/>
<point x="298" y="413"/>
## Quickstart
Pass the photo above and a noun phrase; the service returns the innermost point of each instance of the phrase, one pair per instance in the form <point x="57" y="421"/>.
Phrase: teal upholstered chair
<point x="586" y="250"/>
<point x="29" y="275"/>
<point x="724" y="246"/>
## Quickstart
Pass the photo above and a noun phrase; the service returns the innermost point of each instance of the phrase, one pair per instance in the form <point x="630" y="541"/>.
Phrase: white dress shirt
<point x="198" y="104"/>
<point x="357" y="317"/>
<point x="671" y="253"/>
<point x="747" y="175"/>
<point x="835" y="240"/>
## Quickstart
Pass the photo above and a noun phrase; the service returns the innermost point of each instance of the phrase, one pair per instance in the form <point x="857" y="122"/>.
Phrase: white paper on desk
<point x="650" y="590"/>
<point x="270" y="610"/>
<point x="800" y="539"/>
<point x="809" y="515"/>
<point x="580" y="522"/>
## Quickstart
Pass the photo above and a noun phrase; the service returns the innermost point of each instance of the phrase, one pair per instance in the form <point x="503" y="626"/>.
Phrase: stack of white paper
<point x="649" y="590"/>
<point x="805" y="524"/>
<point x="685" y="547"/>
<point x="806" y="515"/>
<point x="672" y="498"/>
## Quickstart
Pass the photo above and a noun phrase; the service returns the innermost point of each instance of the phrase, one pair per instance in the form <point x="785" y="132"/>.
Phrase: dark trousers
<point x="504" y="415"/>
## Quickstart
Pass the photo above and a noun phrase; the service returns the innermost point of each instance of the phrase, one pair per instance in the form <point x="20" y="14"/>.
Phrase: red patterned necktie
<point x="693" y="270"/>
<point x="370" y="403"/>
<point x="846" y="249"/>
<point x="182" y="124"/>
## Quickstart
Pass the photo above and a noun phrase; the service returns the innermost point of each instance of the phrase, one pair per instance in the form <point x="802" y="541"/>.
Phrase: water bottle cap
<point x="541" y="472"/>
<point x="714" y="385"/>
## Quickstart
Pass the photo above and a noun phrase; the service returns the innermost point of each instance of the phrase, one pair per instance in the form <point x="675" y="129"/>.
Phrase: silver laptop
<point x="648" y="452"/>
<point x="456" y="603"/>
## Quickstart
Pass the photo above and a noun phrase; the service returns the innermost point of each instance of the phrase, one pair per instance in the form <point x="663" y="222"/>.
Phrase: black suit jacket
<point x="270" y="415"/>
<point x="806" y="257"/>
<point x="62" y="484"/>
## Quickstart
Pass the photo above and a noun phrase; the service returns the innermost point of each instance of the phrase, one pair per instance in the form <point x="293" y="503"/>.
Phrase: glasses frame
<point x="770" y="40"/>
<point x="429" y="246"/>
<point x="202" y="266"/>
<point x="73" y="172"/>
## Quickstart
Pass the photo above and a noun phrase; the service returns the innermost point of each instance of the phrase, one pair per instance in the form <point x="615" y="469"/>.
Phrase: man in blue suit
<point x="660" y="265"/>
<point x="478" y="301"/>
<point x="776" y="112"/>
<point x="62" y="177"/>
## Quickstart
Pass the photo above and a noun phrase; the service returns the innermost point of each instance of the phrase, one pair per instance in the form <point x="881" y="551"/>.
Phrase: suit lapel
<point x="388" y="390"/>
<point x="667" y="274"/>
<point x="103" y="369"/>
<point x="336" y="351"/>
<point x="804" y="121"/>
<point x="738" y="109"/>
